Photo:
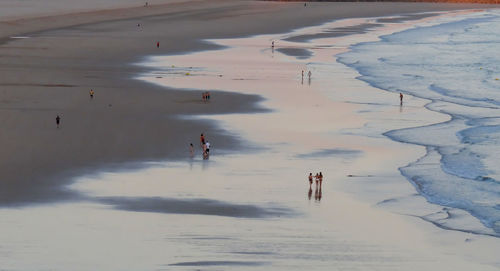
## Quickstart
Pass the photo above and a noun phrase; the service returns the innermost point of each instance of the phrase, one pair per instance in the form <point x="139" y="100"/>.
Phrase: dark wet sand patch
<point x="296" y="52"/>
<point x="335" y="32"/>
<point x="219" y="263"/>
<point x="409" y="17"/>
<point x="194" y="206"/>
<point x="345" y="153"/>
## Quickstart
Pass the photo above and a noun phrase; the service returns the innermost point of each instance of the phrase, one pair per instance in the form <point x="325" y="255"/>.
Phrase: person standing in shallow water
<point x="58" y="120"/>
<point x="401" y="98"/>
<point x="310" y="180"/>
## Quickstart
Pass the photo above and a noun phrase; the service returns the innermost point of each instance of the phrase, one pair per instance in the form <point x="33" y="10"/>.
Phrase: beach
<point x="117" y="172"/>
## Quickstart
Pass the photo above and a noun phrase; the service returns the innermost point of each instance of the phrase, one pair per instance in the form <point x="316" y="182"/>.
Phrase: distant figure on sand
<point x="316" y="177"/>
<point x="401" y="98"/>
<point x="310" y="180"/>
<point x="157" y="44"/>
<point x="309" y="74"/>
<point x="58" y="120"/>
<point x="272" y="44"/>
<point x="320" y="177"/>
<point x="91" y="93"/>
<point x="191" y="149"/>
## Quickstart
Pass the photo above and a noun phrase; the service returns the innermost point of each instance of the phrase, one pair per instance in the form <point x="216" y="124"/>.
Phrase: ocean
<point x="455" y="65"/>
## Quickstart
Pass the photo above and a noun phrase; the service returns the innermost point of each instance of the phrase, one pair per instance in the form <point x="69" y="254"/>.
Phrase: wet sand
<point x="128" y="121"/>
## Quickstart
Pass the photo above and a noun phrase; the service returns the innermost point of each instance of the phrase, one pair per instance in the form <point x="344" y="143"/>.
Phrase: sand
<point x="128" y="121"/>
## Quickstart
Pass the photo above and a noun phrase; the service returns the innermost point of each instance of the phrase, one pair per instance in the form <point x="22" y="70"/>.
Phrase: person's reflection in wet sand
<point x="317" y="194"/>
<point x="204" y="164"/>
<point x="309" y="194"/>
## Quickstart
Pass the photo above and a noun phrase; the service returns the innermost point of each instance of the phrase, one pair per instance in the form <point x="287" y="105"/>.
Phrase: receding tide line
<point x="194" y="206"/>
<point x="444" y="227"/>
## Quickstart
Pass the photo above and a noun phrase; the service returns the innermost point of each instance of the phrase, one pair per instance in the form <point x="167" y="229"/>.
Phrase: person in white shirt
<point x="207" y="146"/>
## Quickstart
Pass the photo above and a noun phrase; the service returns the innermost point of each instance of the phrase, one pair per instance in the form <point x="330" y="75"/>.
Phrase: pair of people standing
<point x="317" y="192"/>
<point x="318" y="178"/>
<point x="205" y="146"/>
<point x="205" y="96"/>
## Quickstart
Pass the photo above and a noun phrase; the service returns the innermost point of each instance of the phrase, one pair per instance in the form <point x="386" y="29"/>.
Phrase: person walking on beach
<point x="58" y="120"/>
<point x="202" y="140"/>
<point x="316" y="177"/>
<point x="91" y="93"/>
<point x="401" y="98"/>
<point x="191" y="150"/>
<point x="272" y="44"/>
<point x="157" y="44"/>
<point x="310" y="180"/>
<point x="309" y="74"/>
